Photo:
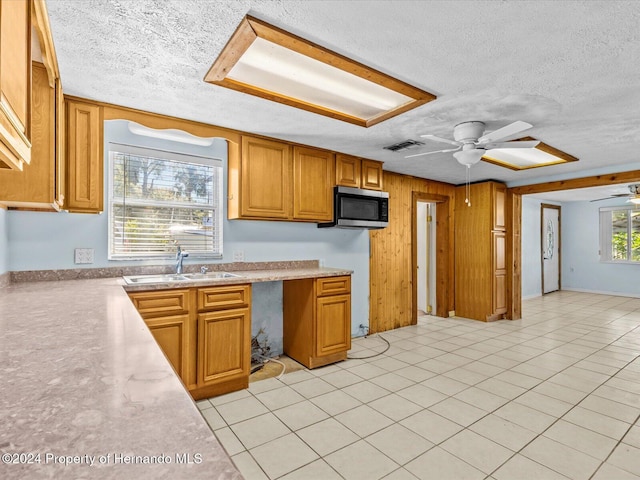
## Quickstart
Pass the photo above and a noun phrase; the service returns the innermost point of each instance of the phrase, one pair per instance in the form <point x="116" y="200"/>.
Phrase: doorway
<point x="425" y="257"/>
<point x="550" y="247"/>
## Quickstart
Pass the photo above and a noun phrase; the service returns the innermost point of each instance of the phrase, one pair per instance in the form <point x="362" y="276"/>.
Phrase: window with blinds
<point x="160" y="200"/>
<point x="620" y="234"/>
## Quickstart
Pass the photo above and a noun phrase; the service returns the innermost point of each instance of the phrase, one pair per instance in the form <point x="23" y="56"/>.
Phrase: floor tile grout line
<point x="559" y="418"/>
<point x="592" y="328"/>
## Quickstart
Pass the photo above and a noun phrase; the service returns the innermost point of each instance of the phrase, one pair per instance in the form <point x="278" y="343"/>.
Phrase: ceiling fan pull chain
<point x="467" y="200"/>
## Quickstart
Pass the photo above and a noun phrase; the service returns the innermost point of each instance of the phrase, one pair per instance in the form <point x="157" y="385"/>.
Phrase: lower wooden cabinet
<point x="317" y="320"/>
<point x="172" y="334"/>
<point x="333" y="327"/>
<point x="224" y="339"/>
<point x="205" y="333"/>
<point x="224" y="346"/>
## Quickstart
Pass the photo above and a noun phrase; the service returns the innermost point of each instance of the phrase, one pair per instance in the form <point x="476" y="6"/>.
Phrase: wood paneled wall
<point x="391" y="265"/>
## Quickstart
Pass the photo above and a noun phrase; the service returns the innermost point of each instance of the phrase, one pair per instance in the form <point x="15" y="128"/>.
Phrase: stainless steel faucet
<point x="179" y="258"/>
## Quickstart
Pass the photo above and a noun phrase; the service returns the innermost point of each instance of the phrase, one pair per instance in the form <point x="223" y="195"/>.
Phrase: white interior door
<point x="550" y="242"/>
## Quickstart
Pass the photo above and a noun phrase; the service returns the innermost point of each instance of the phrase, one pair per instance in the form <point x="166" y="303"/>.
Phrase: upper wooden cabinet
<point x="358" y="172"/>
<point x="313" y="174"/>
<point x="85" y="172"/>
<point x="277" y="181"/>
<point x="40" y="185"/>
<point x="348" y="171"/>
<point x="265" y="177"/>
<point x="481" y="269"/>
<point x="15" y="84"/>
<point x="371" y="177"/>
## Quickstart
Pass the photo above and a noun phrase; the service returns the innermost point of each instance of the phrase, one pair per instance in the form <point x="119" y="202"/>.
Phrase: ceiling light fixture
<point x="263" y="60"/>
<point x="542" y="155"/>
<point x="469" y="155"/>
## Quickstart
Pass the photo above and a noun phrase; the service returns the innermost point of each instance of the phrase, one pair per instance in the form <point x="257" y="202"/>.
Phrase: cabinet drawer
<point x="333" y="286"/>
<point x="163" y="302"/>
<point x="219" y="298"/>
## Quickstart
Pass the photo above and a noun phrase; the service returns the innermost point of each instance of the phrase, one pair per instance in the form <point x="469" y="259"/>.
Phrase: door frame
<point x="559" y="208"/>
<point x="442" y="252"/>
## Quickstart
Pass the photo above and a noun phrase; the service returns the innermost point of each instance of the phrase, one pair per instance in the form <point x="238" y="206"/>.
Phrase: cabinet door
<point x="499" y="194"/>
<point x="224" y="345"/>
<point x="371" y="175"/>
<point x="333" y="324"/>
<point x="266" y="177"/>
<point x="348" y="171"/>
<point x="34" y="187"/>
<point x="499" y="273"/>
<point x="15" y="84"/>
<point x="85" y="176"/>
<point x="313" y="173"/>
<point x="172" y="334"/>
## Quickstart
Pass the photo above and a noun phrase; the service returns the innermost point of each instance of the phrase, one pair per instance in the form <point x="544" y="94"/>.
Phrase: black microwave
<point x="357" y="208"/>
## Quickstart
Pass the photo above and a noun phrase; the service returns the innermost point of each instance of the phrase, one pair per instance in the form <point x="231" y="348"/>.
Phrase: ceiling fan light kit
<point x="469" y="156"/>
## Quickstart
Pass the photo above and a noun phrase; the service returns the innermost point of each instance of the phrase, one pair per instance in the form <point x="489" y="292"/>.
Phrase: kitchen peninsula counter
<point x="82" y="377"/>
<point x="82" y="380"/>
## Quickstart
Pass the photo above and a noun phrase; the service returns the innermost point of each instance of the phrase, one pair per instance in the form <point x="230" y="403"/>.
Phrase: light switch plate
<point x="83" y="255"/>
<point x="238" y="256"/>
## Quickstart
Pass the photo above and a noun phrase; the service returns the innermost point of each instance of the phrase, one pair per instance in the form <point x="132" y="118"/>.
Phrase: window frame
<point x="216" y="205"/>
<point x="606" y="232"/>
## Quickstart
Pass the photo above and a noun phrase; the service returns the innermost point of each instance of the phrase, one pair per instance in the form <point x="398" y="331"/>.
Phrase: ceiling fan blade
<point x="429" y="153"/>
<point x="617" y="195"/>
<point x="440" y="139"/>
<point x="523" y="144"/>
<point x="506" y="131"/>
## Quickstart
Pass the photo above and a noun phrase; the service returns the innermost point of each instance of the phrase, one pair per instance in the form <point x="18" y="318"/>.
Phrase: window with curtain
<point x="620" y="234"/>
<point x="161" y="200"/>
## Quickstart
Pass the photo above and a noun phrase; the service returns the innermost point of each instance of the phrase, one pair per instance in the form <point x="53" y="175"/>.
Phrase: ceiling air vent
<point x="406" y="145"/>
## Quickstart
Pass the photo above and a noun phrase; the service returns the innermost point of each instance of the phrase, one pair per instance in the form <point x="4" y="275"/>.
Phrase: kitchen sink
<point x="170" y="278"/>
<point x="140" y="279"/>
<point x="210" y="275"/>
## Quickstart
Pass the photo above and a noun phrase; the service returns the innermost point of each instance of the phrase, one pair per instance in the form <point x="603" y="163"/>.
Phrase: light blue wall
<point x="531" y="269"/>
<point x="4" y="242"/>
<point x="581" y="266"/>
<point x="531" y="250"/>
<point x="46" y="241"/>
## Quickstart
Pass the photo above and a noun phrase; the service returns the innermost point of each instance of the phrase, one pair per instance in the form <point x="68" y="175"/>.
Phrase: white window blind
<point x="620" y="234"/>
<point x="159" y="200"/>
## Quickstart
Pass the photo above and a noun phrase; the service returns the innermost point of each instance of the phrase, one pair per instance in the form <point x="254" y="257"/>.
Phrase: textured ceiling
<point x="571" y="68"/>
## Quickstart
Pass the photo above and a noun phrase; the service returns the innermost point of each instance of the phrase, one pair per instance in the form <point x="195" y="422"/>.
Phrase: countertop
<point x="83" y="382"/>
<point x="246" y="276"/>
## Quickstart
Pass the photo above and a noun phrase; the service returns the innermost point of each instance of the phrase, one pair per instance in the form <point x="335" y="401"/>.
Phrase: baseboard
<point x="602" y="292"/>
<point x="529" y="297"/>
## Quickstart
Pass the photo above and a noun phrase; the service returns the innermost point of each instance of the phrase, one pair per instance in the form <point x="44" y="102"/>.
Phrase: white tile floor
<point x="555" y="395"/>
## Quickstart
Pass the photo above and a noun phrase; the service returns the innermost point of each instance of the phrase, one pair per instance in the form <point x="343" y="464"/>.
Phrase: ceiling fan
<point x="633" y="195"/>
<point x="471" y="142"/>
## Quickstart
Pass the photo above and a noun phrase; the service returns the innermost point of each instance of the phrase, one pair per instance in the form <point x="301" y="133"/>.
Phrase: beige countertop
<point x="82" y="381"/>
<point x="246" y="276"/>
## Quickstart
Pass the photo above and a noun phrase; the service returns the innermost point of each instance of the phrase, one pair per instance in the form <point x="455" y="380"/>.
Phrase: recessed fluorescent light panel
<point x="268" y="62"/>
<point x="524" y="158"/>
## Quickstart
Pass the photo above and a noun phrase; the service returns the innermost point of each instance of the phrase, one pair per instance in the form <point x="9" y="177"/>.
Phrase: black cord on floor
<point x="377" y="354"/>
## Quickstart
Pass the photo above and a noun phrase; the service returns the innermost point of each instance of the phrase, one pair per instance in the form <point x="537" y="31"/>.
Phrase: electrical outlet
<point x="83" y="255"/>
<point x="238" y="256"/>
